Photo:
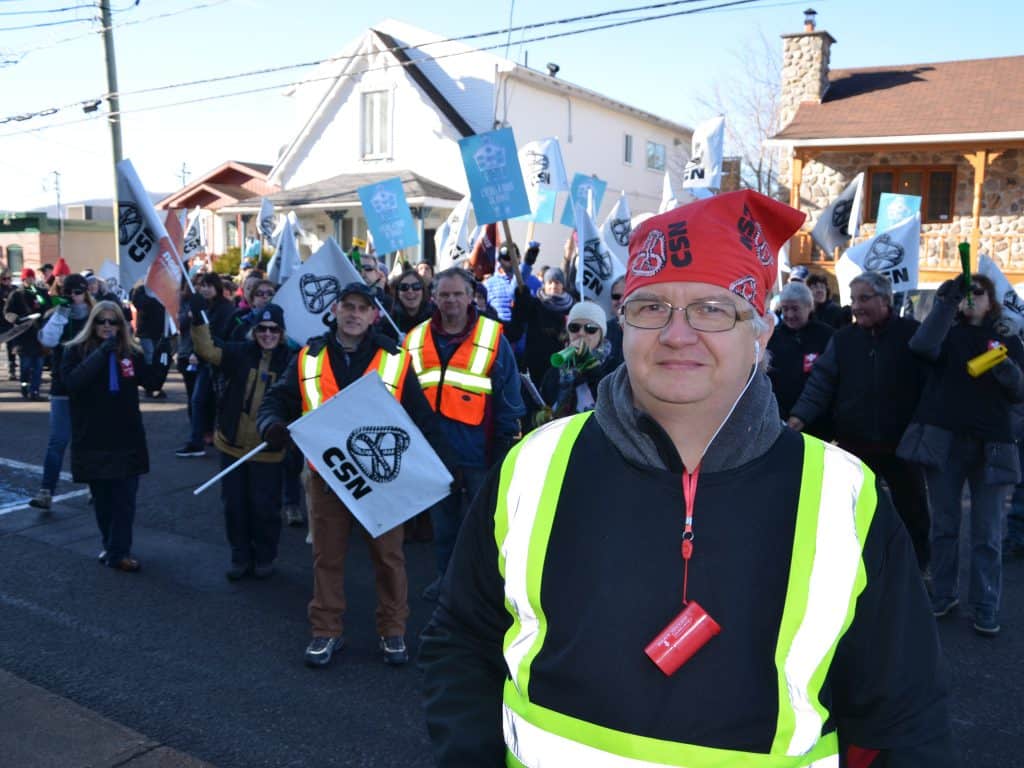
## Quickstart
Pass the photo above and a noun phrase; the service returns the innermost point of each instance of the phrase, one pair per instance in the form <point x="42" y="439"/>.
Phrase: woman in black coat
<point x="542" y="319"/>
<point x="412" y="304"/>
<point x="103" y="368"/>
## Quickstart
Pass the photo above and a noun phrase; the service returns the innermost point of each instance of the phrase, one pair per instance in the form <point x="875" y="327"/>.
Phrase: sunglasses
<point x="107" y="321"/>
<point x="368" y="268"/>
<point x="589" y="328"/>
<point x="268" y="329"/>
<point x="977" y="291"/>
<point x="404" y="287"/>
<point x="76" y="292"/>
<point x="616" y="296"/>
<point x="266" y="294"/>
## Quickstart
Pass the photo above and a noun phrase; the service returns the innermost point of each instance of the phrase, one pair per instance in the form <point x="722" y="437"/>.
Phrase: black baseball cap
<point x="361" y="289"/>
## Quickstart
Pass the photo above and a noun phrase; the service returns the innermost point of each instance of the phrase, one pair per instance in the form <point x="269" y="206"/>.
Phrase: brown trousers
<point x="331" y="524"/>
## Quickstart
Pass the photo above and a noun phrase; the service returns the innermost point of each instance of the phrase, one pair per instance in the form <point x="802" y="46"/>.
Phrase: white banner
<point x="110" y="274"/>
<point x="598" y="268"/>
<point x="265" y="223"/>
<point x="840" y="221"/>
<point x="668" y="195"/>
<point x="704" y="168"/>
<point x="286" y="260"/>
<point x="141" y="234"/>
<point x="307" y="297"/>
<point x="616" y="229"/>
<point x="371" y="454"/>
<point x="195" y="238"/>
<point x="1013" y="305"/>
<point x="451" y="241"/>
<point x="894" y="253"/>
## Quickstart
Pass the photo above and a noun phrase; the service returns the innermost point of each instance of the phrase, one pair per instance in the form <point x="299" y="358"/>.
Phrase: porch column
<point x="797" y="175"/>
<point x="336" y="217"/>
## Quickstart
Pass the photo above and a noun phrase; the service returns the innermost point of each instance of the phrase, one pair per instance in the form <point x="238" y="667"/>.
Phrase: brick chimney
<point x="805" y="57"/>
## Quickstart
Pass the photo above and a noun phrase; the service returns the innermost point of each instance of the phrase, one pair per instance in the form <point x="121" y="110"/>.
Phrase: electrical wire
<point x="278" y="86"/>
<point x="47" y="10"/>
<point x="43" y="24"/>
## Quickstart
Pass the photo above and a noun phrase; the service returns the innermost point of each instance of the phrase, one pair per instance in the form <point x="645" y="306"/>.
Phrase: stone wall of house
<point x="804" y="77"/>
<point x="1002" y="209"/>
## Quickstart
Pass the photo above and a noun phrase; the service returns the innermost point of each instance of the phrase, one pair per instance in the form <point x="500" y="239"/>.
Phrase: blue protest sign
<point x="388" y="217"/>
<point x="581" y="185"/>
<point x="495" y="178"/>
<point x="894" y="209"/>
<point x="542" y="203"/>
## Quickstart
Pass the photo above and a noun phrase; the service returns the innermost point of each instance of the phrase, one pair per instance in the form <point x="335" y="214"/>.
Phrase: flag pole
<point x="390" y="320"/>
<point x="228" y="470"/>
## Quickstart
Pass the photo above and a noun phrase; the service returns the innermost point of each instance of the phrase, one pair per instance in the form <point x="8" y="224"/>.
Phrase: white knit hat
<point x="588" y="311"/>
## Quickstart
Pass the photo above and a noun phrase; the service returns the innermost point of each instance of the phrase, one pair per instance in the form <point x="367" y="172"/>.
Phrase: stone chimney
<point x="805" y="57"/>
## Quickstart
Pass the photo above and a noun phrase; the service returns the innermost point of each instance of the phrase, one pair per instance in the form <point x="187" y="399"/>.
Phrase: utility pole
<point x="185" y="173"/>
<point x="114" y="104"/>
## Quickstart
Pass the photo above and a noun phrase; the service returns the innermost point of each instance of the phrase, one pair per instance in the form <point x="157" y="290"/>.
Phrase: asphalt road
<point x="215" y="669"/>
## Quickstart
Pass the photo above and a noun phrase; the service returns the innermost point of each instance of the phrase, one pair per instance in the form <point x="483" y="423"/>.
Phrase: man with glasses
<point x="682" y="525"/>
<point x="870" y="383"/>
<point x="326" y="365"/>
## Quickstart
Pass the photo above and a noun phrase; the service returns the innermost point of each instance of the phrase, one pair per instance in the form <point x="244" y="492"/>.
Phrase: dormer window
<point x="376" y="134"/>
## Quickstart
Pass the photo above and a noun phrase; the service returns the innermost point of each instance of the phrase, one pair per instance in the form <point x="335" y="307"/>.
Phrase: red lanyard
<point x="689" y="495"/>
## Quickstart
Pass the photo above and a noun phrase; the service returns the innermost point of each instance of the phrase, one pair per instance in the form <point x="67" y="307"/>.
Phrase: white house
<point x="396" y="101"/>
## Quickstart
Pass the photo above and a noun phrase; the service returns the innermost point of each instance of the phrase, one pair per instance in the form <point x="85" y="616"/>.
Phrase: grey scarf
<point x="751" y="429"/>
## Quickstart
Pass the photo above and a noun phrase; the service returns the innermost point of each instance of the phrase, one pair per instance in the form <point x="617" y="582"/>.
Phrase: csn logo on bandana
<point x="650" y="259"/>
<point x="752" y="237"/>
<point x="745" y="287"/>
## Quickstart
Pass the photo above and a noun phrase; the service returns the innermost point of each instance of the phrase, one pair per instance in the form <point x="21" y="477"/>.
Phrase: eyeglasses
<point x="863" y="298"/>
<point x="977" y="291"/>
<point x="590" y="328"/>
<point x="404" y="287"/>
<point x="275" y="329"/>
<point x="616" y="296"/>
<point x="368" y="268"/>
<point x="107" y="321"/>
<point x="709" y="316"/>
<point x="265" y="294"/>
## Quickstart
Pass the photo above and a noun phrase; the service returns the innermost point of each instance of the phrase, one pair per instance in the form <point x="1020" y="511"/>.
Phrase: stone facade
<point x="1001" y="223"/>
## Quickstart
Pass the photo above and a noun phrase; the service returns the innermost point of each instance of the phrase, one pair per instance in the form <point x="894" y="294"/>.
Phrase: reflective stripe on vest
<point x="833" y="526"/>
<point x="317" y="382"/>
<point x="468" y="369"/>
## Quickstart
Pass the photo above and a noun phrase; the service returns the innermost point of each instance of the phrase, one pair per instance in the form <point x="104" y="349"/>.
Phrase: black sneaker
<point x="237" y="572"/>
<point x="394" y="650"/>
<point x="321" y="649"/>
<point x="433" y="590"/>
<point x="942" y="606"/>
<point x="985" y="623"/>
<point x="190" y="449"/>
<point x="264" y="571"/>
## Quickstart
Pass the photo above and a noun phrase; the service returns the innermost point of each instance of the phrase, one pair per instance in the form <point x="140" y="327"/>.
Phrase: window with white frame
<point x="627" y="150"/>
<point x="376" y="124"/>
<point x="655" y="156"/>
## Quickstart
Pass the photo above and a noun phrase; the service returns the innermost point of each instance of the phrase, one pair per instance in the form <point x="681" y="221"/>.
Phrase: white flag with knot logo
<point x="894" y="253"/>
<point x="306" y="299"/>
<point x="371" y="454"/>
<point x="704" y="168"/>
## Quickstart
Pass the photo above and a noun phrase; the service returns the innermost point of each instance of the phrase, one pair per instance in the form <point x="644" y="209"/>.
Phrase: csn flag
<point x="371" y="454"/>
<point x="668" y="195"/>
<point x="616" y="229"/>
<point x="598" y="268"/>
<point x="194" y="248"/>
<point x="141" y="235"/>
<point x="544" y="174"/>
<point x="1013" y="306"/>
<point x="306" y="299"/>
<point x="840" y="221"/>
<point x="286" y="260"/>
<point x="894" y="253"/>
<point x="266" y="220"/>
<point x="451" y="241"/>
<point x="704" y="168"/>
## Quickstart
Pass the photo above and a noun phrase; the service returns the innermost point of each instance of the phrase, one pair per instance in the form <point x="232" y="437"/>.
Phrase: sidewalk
<point x="40" y="730"/>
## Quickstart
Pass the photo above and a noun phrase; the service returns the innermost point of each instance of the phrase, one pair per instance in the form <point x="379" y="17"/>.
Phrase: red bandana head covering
<point x="61" y="269"/>
<point x="730" y="240"/>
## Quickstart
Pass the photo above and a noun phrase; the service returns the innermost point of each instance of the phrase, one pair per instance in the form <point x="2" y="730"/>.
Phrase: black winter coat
<point x="791" y="365"/>
<point x="23" y="302"/>
<point x="108" y="441"/>
<point x="544" y="327"/>
<point x="871" y="382"/>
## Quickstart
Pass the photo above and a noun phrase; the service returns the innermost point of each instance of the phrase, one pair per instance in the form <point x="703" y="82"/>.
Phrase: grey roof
<point x="343" y="190"/>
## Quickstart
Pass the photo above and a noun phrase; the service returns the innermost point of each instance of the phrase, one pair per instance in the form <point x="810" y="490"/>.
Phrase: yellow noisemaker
<point x="986" y="361"/>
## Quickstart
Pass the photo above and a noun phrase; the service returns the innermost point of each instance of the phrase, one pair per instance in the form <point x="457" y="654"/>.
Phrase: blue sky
<point x="662" y="66"/>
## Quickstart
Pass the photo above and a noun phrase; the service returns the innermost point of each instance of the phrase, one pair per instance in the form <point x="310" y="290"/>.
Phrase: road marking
<point x="36" y="469"/>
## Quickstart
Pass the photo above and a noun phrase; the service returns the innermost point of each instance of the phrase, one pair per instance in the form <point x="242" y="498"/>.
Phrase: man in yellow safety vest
<point x="677" y="578"/>
<point x="320" y="369"/>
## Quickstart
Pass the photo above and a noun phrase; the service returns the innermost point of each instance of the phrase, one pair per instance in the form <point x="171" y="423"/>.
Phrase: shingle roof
<point x="343" y="190"/>
<point x="949" y="97"/>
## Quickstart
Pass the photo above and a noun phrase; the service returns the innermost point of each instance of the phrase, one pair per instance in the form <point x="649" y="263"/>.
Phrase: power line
<point x="43" y="24"/>
<point x="47" y="10"/>
<point x="277" y="86"/>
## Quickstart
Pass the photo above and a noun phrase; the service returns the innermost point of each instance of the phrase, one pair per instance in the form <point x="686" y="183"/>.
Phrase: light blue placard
<point x="388" y="217"/>
<point x="581" y="182"/>
<point x="542" y="203"/>
<point x="893" y="208"/>
<point x="495" y="178"/>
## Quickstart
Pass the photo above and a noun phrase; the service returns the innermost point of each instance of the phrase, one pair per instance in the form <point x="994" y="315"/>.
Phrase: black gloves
<point x="952" y="290"/>
<point x="276" y="436"/>
<point x="109" y="345"/>
<point x="1007" y="373"/>
<point x="196" y="305"/>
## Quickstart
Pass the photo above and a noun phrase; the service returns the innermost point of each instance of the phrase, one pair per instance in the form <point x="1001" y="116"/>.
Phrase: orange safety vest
<point x="317" y="382"/>
<point x="461" y="389"/>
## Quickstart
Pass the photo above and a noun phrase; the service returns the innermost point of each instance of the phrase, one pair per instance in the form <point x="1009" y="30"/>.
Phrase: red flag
<point x="482" y="260"/>
<point x="163" y="279"/>
<point x="173" y="225"/>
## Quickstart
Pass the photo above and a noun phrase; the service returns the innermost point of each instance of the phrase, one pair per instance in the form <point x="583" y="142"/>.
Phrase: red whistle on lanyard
<point x="682" y="638"/>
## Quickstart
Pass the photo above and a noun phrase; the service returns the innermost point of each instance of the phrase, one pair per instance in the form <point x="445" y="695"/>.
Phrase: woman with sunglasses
<point x="102" y="368"/>
<point x="63" y="323"/>
<point x="412" y="304"/>
<point x="251" y="495"/>
<point x="962" y="433"/>
<point x="571" y="388"/>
